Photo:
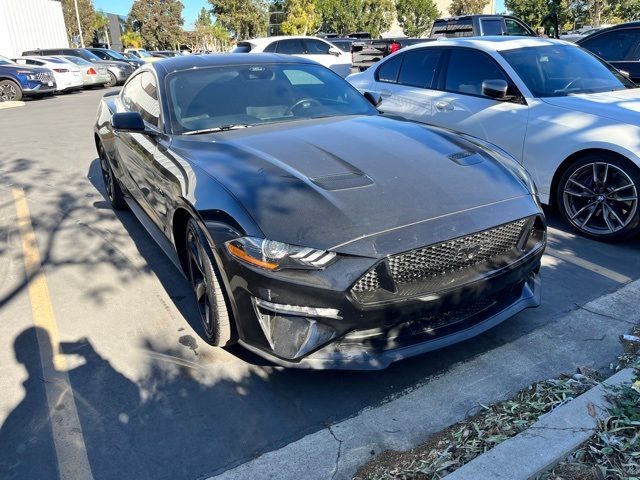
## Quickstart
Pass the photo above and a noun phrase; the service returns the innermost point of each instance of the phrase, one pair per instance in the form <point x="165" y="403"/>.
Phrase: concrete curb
<point x="337" y="451"/>
<point x="549" y="440"/>
<point x="4" y="105"/>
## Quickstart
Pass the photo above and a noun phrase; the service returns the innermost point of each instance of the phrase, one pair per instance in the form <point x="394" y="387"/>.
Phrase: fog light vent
<point x="291" y="335"/>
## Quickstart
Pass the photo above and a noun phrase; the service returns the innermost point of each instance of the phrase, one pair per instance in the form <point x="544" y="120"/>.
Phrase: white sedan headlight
<point x="273" y="255"/>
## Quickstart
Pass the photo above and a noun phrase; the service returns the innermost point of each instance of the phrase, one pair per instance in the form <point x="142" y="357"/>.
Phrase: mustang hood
<point x="369" y="185"/>
<point x="621" y="105"/>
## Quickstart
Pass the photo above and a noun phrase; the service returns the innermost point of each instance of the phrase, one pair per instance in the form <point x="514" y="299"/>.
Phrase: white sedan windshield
<point x="560" y="70"/>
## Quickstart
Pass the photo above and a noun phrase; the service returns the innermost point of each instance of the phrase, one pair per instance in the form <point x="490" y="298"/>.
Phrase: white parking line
<point x="569" y="257"/>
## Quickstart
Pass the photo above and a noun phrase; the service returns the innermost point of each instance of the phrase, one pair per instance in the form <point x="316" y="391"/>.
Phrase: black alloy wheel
<point x="10" y="91"/>
<point x="111" y="184"/>
<point x="207" y="288"/>
<point x="598" y="196"/>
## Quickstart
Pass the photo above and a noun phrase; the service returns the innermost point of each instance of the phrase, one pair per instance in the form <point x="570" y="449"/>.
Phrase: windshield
<point x="5" y="61"/>
<point x="115" y="55"/>
<point x="143" y="53"/>
<point x="561" y="70"/>
<point x="76" y="60"/>
<point x="87" y="55"/>
<point x="248" y="95"/>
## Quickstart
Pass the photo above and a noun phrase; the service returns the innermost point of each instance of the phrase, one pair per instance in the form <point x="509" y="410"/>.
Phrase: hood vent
<point x="466" y="158"/>
<point x="343" y="181"/>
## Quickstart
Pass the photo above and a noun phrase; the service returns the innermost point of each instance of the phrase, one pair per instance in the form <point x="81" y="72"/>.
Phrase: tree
<point x="100" y="24"/>
<point x="159" y="22"/>
<point x="243" y="18"/>
<point x="416" y="16"/>
<point x="302" y="17"/>
<point x="87" y="17"/>
<point x="467" y="7"/>
<point x="531" y="11"/>
<point x="208" y="36"/>
<point x="346" y="16"/>
<point x="131" y="39"/>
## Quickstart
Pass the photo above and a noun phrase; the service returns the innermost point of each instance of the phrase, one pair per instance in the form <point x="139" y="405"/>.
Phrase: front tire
<point x="597" y="195"/>
<point x="207" y="287"/>
<point x="10" y="91"/>
<point x="111" y="184"/>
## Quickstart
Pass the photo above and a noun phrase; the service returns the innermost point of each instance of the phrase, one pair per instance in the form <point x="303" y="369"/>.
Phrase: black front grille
<point x="445" y="264"/>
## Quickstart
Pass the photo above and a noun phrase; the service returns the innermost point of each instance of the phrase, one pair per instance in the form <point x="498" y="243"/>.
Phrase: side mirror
<point x="375" y="99"/>
<point x="335" y="51"/>
<point x="130" y="122"/>
<point x="496" y="89"/>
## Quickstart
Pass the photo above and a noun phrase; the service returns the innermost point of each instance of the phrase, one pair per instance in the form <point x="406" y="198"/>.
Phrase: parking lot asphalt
<point x="150" y="398"/>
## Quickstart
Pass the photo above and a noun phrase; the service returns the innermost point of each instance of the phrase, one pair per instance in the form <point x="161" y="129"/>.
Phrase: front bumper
<point x="38" y="88"/>
<point x="368" y="336"/>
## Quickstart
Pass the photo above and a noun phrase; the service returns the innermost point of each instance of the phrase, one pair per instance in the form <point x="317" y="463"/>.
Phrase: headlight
<point x="274" y="255"/>
<point x="508" y="161"/>
<point x="27" y="73"/>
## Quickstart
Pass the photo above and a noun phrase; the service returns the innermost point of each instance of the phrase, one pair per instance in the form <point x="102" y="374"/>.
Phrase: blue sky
<point x="122" y="7"/>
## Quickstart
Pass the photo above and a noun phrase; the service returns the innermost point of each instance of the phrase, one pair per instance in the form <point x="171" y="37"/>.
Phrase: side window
<point x="291" y="47"/>
<point x="388" y="71"/>
<point x="271" y="48"/>
<point x="419" y="67"/>
<point x="141" y="95"/>
<point x="462" y="79"/>
<point x="613" y="46"/>
<point x="316" y="47"/>
<point x="492" y="26"/>
<point x="515" y="28"/>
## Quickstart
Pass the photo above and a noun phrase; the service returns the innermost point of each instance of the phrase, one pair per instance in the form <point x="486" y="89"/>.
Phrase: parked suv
<point x="119" y="71"/>
<point x="618" y="45"/>
<point x="109" y="55"/>
<point x="17" y="81"/>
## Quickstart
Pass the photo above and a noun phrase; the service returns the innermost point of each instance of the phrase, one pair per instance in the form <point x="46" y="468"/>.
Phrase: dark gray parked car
<point x="315" y="231"/>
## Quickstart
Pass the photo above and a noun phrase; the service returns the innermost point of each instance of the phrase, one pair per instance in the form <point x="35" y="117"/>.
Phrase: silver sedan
<point x="93" y="75"/>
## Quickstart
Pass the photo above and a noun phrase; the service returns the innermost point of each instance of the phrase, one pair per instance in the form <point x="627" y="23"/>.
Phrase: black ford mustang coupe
<point x="316" y="231"/>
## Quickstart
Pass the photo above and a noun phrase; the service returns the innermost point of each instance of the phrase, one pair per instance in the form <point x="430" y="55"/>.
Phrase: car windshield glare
<point x="248" y="95"/>
<point x="115" y="55"/>
<point x="5" y="61"/>
<point x="561" y="70"/>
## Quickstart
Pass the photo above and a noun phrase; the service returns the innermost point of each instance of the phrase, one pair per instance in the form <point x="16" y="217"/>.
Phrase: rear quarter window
<point x="388" y="71"/>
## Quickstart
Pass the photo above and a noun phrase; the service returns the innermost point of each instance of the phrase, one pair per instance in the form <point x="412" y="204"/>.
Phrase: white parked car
<point x="68" y="77"/>
<point x="93" y="74"/>
<point x="571" y="119"/>
<point x="312" y="48"/>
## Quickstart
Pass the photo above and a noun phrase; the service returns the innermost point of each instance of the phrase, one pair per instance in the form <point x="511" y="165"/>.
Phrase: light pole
<point x="79" y="26"/>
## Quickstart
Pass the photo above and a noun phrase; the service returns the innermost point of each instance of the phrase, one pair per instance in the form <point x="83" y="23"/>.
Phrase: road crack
<point x="338" y="455"/>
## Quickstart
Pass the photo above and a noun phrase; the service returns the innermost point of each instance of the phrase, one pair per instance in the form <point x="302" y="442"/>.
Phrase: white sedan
<point x="313" y="48"/>
<point x="571" y="119"/>
<point x="68" y="76"/>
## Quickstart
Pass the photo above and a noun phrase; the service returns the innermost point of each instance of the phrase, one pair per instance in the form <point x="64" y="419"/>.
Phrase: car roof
<point x="265" y="40"/>
<point x="184" y="62"/>
<point x="489" y="43"/>
<point x="601" y="31"/>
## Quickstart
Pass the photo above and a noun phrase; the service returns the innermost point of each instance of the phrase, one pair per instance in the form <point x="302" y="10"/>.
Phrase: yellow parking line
<point x="68" y="439"/>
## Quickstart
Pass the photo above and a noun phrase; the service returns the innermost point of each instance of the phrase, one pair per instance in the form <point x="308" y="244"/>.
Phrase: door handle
<point x="385" y="93"/>
<point x="443" y="106"/>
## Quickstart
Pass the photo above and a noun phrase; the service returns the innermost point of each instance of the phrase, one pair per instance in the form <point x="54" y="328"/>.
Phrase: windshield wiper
<point x="221" y="128"/>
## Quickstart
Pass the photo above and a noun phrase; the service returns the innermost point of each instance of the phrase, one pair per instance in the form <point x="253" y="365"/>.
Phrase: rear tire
<point x="113" y="81"/>
<point x="207" y="287"/>
<point x="10" y="91"/>
<point x="597" y="196"/>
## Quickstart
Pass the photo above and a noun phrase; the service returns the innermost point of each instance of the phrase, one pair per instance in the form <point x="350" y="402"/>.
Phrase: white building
<point x="31" y="24"/>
